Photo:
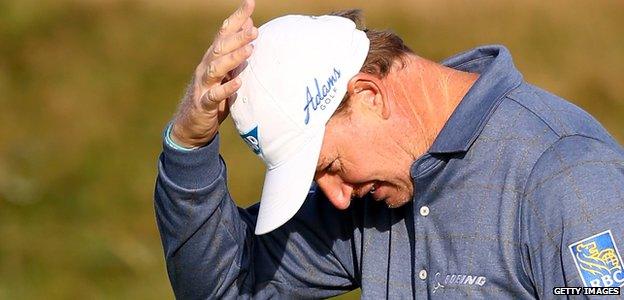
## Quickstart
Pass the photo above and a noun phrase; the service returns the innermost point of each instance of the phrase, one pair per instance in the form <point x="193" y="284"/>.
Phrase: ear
<point x="371" y="92"/>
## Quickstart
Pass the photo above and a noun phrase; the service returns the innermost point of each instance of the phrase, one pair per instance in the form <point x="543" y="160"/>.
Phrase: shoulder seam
<point x="554" y="143"/>
<point x="510" y="97"/>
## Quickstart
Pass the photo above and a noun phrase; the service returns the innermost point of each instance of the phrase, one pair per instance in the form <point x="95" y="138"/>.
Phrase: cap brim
<point x="286" y="186"/>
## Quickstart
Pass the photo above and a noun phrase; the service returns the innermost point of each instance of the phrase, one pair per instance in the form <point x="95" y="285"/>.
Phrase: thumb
<point x="224" y="107"/>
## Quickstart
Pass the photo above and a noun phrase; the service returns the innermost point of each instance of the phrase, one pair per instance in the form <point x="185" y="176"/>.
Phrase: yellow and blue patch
<point x="598" y="261"/>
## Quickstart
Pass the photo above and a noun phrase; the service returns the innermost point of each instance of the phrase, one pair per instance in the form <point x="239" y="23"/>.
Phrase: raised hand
<point x="205" y="104"/>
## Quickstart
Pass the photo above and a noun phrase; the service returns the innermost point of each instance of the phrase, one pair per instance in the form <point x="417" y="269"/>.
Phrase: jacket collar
<point x="498" y="75"/>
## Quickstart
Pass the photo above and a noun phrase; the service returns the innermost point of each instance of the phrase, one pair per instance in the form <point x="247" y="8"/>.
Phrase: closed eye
<point x="332" y="167"/>
<point x="325" y="168"/>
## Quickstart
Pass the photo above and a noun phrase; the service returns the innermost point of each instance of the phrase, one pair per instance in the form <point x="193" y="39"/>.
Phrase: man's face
<point x="360" y="155"/>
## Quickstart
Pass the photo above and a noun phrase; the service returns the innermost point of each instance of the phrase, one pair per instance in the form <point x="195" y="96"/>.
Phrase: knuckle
<point x="212" y="70"/>
<point x="218" y="48"/>
<point x="211" y="95"/>
<point x="239" y="12"/>
<point x="224" y="27"/>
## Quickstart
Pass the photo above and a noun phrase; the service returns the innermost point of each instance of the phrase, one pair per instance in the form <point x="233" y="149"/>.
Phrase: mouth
<point x="365" y="190"/>
<point x="373" y="188"/>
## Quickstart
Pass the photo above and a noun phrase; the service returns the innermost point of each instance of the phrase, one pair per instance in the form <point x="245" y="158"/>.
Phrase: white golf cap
<point x="292" y="84"/>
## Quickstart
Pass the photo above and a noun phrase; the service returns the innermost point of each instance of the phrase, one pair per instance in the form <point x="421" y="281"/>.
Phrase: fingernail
<point x="225" y="23"/>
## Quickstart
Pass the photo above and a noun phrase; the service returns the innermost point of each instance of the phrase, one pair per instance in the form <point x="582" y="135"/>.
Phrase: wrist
<point x="174" y="143"/>
<point x="182" y="138"/>
<point x="175" y="136"/>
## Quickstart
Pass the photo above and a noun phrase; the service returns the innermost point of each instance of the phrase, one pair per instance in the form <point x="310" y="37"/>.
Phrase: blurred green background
<point x="87" y="86"/>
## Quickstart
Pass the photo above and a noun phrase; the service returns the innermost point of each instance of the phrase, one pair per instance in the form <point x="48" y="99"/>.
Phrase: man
<point x="447" y="180"/>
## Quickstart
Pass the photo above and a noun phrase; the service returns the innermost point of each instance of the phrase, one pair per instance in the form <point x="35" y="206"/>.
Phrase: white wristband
<point x="173" y="144"/>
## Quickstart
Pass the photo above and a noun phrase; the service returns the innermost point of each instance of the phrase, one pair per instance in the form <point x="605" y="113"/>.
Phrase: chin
<point x="396" y="202"/>
<point x="396" y="198"/>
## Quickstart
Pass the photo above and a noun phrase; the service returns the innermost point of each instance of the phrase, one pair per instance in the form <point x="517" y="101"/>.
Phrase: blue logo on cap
<point x="323" y="96"/>
<point x="251" y="138"/>
<point x="598" y="261"/>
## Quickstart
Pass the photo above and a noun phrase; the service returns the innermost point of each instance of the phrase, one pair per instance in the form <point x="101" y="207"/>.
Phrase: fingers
<point x="235" y="21"/>
<point x="231" y="46"/>
<point x="227" y="44"/>
<point x="230" y="49"/>
<point x="214" y="96"/>
<point x="220" y="67"/>
<point x="248" y="24"/>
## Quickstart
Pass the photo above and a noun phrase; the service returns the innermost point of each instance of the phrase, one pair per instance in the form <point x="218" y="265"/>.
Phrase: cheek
<point x="369" y="133"/>
<point x="360" y="166"/>
<point x="359" y="144"/>
<point x="361" y="152"/>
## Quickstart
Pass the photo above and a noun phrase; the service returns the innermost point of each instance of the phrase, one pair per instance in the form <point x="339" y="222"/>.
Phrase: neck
<point x="425" y="95"/>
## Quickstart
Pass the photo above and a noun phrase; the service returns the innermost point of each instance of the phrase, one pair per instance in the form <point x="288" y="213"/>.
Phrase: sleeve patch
<point x="598" y="261"/>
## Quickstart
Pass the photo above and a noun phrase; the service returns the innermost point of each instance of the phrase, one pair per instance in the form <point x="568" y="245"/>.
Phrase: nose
<point x="337" y="191"/>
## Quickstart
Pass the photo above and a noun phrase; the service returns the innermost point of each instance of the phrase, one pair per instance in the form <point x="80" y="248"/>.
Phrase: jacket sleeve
<point x="572" y="229"/>
<point x="211" y="251"/>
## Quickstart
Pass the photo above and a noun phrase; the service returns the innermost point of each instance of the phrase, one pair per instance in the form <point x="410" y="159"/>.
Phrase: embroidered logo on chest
<point x="447" y="280"/>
